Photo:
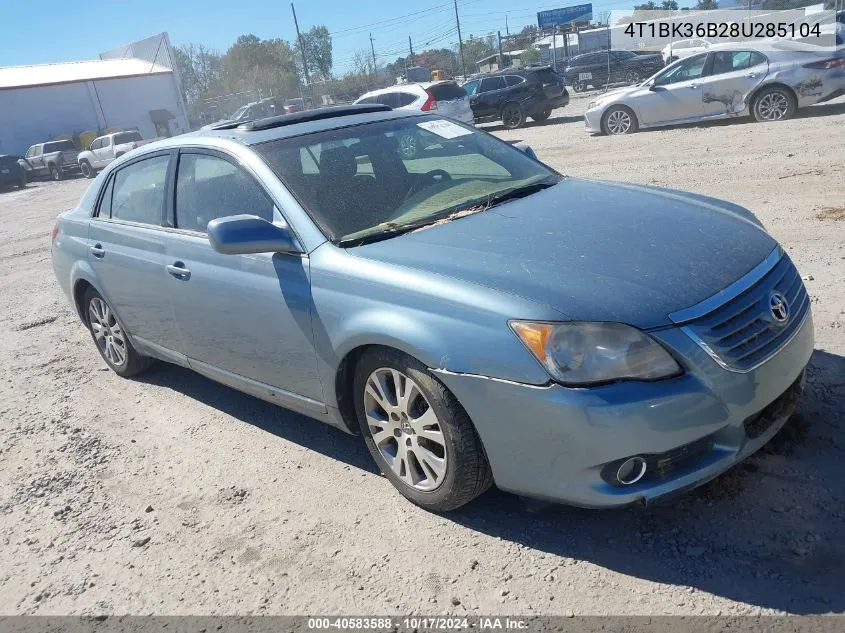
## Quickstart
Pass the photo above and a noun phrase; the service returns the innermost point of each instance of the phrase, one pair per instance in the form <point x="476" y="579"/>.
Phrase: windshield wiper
<point x="468" y="208"/>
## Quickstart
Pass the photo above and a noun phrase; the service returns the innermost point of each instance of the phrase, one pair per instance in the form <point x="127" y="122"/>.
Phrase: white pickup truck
<point x="105" y="149"/>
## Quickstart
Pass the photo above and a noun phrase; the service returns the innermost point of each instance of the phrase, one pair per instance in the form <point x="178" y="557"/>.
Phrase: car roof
<point x="292" y="125"/>
<point x="418" y="87"/>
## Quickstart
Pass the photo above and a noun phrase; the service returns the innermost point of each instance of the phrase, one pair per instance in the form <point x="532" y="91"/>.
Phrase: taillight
<point x="54" y="233"/>
<point x="430" y="103"/>
<point x="827" y="64"/>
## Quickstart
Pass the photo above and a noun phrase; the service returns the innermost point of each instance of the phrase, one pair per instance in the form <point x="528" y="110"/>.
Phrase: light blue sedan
<point x="477" y="317"/>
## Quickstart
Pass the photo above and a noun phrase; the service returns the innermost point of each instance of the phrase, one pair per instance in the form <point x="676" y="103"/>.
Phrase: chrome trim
<point x="697" y="339"/>
<point x="742" y="284"/>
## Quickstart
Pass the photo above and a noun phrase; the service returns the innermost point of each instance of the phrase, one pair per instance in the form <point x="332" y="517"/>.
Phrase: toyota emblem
<point x="778" y="307"/>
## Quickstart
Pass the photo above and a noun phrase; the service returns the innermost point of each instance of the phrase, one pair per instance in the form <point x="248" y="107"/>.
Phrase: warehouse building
<point x="80" y="100"/>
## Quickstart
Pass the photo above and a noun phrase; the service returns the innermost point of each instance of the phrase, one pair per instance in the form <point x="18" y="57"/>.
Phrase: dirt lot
<point x="170" y="494"/>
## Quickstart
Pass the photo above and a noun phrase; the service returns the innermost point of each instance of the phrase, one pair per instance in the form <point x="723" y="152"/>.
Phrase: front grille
<point x="741" y="334"/>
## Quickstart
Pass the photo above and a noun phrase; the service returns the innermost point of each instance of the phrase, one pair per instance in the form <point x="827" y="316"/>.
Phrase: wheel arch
<point x="625" y="106"/>
<point x="774" y="84"/>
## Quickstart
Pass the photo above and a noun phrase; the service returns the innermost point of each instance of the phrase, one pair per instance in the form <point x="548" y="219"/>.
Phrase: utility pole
<point x="373" y="50"/>
<point x="460" y="41"/>
<point x="302" y="50"/>
<point x="501" y="57"/>
<point x="507" y="30"/>
<point x="554" y="50"/>
<point x="411" y="48"/>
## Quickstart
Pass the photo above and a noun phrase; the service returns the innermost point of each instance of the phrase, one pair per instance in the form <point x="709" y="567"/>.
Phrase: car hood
<point x="593" y="251"/>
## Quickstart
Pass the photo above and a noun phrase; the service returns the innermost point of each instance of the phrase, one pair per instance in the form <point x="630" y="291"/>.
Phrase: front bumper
<point x="551" y="442"/>
<point x="592" y="120"/>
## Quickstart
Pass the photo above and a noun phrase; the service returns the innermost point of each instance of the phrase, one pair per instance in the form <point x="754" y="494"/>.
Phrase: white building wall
<point x="37" y="114"/>
<point x="32" y="115"/>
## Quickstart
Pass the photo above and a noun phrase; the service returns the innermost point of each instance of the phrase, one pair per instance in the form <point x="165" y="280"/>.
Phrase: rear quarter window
<point x="404" y="99"/>
<point x="547" y="76"/>
<point x="447" y="92"/>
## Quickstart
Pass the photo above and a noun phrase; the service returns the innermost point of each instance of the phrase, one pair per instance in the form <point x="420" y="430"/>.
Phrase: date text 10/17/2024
<point x="417" y="623"/>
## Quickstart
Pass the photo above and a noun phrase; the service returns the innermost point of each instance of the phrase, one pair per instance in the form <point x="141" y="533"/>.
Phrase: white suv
<point x="446" y="98"/>
<point x="683" y="48"/>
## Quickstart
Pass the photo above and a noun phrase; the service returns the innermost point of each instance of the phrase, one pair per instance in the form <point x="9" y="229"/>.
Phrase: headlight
<point x="592" y="105"/>
<point x="584" y="353"/>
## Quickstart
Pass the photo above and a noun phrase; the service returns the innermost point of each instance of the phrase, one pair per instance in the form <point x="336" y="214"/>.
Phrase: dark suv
<point x="610" y="67"/>
<point x="514" y="94"/>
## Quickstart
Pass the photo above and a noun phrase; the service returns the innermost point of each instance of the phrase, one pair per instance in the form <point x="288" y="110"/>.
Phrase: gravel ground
<point x="170" y="494"/>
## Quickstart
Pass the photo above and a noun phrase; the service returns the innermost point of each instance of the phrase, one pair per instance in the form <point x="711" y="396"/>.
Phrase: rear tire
<point x="542" y="116"/>
<point x="86" y="168"/>
<point x="55" y="173"/>
<point x="774" y="104"/>
<point x="423" y="406"/>
<point x="513" y="116"/>
<point x="110" y="337"/>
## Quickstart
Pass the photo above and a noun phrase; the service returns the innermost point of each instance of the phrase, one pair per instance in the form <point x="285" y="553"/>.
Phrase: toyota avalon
<point x="474" y="315"/>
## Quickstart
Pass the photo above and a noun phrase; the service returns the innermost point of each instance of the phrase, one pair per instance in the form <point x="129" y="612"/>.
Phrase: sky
<point x="57" y="30"/>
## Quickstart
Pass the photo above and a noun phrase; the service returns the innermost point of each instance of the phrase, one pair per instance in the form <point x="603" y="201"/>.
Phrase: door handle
<point x="98" y="251"/>
<point x="693" y="86"/>
<point x="751" y="75"/>
<point x="178" y="270"/>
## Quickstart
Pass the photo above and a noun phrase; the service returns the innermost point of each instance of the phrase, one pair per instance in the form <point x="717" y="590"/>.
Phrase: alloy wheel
<point x="773" y="106"/>
<point x="512" y="116"/>
<point x="405" y="429"/>
<point x="619" y="122"/>
<point x="632" y="76"/>
<point x="107" y="331"/>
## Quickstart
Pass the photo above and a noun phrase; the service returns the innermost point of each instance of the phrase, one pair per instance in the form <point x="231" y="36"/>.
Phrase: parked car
<point x="105" y="149"/>
<point x="512" y="95"/>
<point x="297" y="104"/>
<point x="12" y="174"/>
<point x="488" y="320"/>
<point x="446" y="98"/>
<point x="56" y="159"/>
<point x="610" y="67"/>
<point x="683" y="48"/>
<point x="731" y="80"/>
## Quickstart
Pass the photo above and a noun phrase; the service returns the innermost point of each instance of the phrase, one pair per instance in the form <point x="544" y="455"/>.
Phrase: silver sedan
<point x="729" y="80"/>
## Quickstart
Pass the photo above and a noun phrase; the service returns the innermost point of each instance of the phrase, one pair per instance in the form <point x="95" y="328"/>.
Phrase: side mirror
<point x="526" y="149"/>
<point x="655" y="87"/>
<point x="244" y="234"/>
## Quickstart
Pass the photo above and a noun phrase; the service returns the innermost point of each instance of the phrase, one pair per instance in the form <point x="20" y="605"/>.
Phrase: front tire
<point x="542" y="116"/>
<point x="774" y="104"/>
<point x="417" y="432"/>
<point x="110" y="337"/>
<point x="619" y="120"/>
<point x="513" y="116"/>
<point x="86" y="168"/>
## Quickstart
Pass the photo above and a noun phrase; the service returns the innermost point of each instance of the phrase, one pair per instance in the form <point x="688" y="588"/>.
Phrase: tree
<point x="530" y="55"/>
<point x="200" y="69"/>
<point x="474" y="50"/>
<point x="265" y="66"/>
<point x="706" y="5"/>
<point x="318" y="51"/>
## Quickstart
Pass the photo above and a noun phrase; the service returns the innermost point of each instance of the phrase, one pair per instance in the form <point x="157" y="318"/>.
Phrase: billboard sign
<point x="566" y="15"/>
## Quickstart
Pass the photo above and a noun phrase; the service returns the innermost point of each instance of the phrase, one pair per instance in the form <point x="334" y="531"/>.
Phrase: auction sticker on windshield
<point x="444" y="128"/>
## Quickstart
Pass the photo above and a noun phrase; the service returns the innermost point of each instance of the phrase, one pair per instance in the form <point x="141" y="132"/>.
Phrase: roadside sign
<point x="565" y="15"/>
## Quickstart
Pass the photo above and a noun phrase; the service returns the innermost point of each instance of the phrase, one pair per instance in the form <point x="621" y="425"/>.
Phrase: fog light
<point x="631" y="471"/>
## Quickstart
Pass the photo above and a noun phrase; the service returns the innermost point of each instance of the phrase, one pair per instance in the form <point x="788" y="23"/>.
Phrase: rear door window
<point x="389" y="99"/>
<point x="488" y="84"/>
<point x="513" y="80"/>
<point x="404" y="98"/>
<point x="447" y="91"/>
<point x="139" y="191"/>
